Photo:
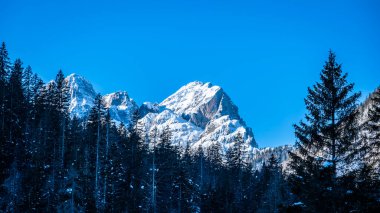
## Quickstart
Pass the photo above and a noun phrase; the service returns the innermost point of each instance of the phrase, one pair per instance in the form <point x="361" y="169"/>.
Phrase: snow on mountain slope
<point x="261" y="156"/>
<point x="121" y="107"/>
<point x="82" y="95"/>
<point x="198" y="114"/>
<point x="200" y="102"/>
<point x="148" y="107"/>
<point x="211" y="109"/>
<point x="365" y="106"/>
<point x="182" y="131"/>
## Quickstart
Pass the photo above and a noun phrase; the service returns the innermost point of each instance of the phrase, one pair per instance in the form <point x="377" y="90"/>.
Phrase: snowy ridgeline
<point x="198" y="113"/>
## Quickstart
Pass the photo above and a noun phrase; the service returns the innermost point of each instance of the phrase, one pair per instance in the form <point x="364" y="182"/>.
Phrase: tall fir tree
<point x="5" y="145"/>
<point x="94" y="153"/>
<point x="16" y="118"/>
<point x="5" y="67"/>
<point x="61" y="99"/>
<point x="324" y="140"/>
<point x="166" y="159"/>
<point x="274" y="192"/>
<point x="237" y="165"/>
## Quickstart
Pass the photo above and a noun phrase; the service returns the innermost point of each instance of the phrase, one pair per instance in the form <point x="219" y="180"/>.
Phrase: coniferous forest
<point x="54" y="162"/>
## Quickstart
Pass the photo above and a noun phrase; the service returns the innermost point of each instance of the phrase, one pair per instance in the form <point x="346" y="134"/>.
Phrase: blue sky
<point x="263" y="53"/>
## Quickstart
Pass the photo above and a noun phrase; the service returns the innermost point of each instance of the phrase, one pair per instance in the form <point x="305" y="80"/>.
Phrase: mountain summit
<point x="210" y="109"/>
<point x="82" y="96"/>
<point x="201" y="102"/>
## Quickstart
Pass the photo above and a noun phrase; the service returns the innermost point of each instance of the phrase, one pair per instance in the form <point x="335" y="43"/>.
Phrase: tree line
<point x="53" y="162"/>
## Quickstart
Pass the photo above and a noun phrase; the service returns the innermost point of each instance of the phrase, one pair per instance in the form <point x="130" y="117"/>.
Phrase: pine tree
<point x="135" y="158"/>
<point x="183" y="186"/>
<point x="4" y="75"/>
<point x="323" y="141"/>
<point x="61" y="98"/>
<point x="153" y="168"/>
<point x="117" y="192"/>
<point x="94" y="155"/>
<point x="274" y="192"/>
<point x="16" y="118"/>
<point x="236" y="164"/>
<point x="27" y="87"/>
<point x="5" y="145"/>
<point x="166" y="158"/>
<point x="216" y="161"/>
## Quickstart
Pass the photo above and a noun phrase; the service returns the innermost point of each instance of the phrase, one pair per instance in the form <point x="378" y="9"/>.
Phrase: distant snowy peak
<point x="121" y="107"/>
<point x="82" y="95"/>
<point x="200" y="102"/>
<point x="148" y="107"/>
<point x="119" y="100"/>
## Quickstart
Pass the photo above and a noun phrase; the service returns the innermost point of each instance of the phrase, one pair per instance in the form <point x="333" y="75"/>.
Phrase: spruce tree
<point x="61" y="98"/>
<point x="183" y="186"/>
<point x="16" y="117"/>
<point x="324" y="140"/>
<point x="236" y="166"/>
<point x="94" y="155"/>
<point x="135" y="158"/>
<point x="4" y="75"/>
<point x="166" y="159"/>
<point x="215" y="159"/>
<point x="5" y="145"/>
<point x="274" y="194"/>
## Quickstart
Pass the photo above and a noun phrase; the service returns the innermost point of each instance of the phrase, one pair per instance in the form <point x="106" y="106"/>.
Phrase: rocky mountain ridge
<point x="198" y="114"/>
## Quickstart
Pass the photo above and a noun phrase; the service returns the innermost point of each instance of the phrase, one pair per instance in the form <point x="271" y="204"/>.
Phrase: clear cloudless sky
<point x="263" y="53"/>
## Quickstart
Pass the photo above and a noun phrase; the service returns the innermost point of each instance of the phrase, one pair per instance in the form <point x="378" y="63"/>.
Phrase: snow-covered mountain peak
<point x="120" y="98"/>
<point x="120" y="106"/>
<point x="190" y="97"/>
<point x="78" y="80"/>
<point x="82" y="95"/>
<point x="198" y="113"/>
<point x="200" y="102"/>
<point x="200" y="107"/>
